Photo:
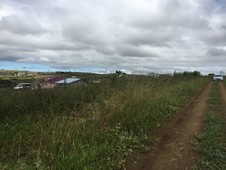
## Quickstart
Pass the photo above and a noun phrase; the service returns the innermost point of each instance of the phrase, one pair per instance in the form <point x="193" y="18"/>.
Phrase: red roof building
<point x="50" y="82"/>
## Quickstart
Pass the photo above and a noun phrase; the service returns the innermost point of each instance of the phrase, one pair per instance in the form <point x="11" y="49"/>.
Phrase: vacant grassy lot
<point x="87" y="128"/>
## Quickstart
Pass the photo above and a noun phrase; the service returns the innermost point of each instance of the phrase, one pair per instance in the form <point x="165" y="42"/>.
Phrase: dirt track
<point x="174" y="149"/>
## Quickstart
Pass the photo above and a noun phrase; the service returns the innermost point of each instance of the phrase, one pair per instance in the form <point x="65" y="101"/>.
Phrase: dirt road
<point x="174" y="149"/>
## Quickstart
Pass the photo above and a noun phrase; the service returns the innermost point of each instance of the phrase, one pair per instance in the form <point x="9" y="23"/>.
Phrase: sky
<point x="134" y="36"/>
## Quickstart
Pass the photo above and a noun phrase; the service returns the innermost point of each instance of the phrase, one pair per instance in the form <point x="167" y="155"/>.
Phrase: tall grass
<point x="87" y="128"/>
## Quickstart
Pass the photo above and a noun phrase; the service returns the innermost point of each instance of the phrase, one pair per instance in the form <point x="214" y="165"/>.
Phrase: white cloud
<point x="132" y="35"/>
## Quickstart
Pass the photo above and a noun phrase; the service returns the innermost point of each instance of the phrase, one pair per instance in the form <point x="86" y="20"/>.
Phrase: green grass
<point x="87" y="128"/>
<point x="212" y="141"/>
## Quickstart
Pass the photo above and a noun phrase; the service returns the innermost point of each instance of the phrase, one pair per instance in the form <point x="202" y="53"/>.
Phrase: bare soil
<point x="174" y="149"/>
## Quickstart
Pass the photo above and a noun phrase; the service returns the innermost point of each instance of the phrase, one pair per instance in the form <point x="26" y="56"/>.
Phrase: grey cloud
<point x="90" y="33"/>
<point x="18" y="25"/>
<point x="7" y="48"/>
<point x="152" y="37"/>
<point x="107" y="50"/>
<point x="135" y="51"/>
<point x="215" y="37"/>
<point x="213" y="52"/>
<point x="48" y="42"/>
<point x="8" y="57"/>
<point x="172" y="21"/>
<point x="174" y="14"/>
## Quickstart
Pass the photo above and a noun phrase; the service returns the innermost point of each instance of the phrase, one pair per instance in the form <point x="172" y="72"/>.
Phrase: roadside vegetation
<point x="212" y="143"/>
<point x="87" y="128"/>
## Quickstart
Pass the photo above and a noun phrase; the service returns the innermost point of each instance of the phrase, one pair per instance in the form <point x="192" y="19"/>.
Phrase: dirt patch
<point x="174" y="147"/>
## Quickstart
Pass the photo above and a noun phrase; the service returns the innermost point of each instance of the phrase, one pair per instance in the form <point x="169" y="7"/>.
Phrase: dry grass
<point x="87" y="128"/>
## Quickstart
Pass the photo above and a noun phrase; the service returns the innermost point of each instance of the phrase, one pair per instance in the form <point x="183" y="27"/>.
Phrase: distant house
<point x="20" y="74"/>
<point x="48" y="83"/>
<point x="71" y="82"/>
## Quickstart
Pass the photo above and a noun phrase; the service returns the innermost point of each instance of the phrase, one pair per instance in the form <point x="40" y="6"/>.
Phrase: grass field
<point x="87" y="128"/>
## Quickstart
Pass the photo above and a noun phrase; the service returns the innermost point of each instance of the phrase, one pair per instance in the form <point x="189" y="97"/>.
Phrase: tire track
<point x="175" y="147"/>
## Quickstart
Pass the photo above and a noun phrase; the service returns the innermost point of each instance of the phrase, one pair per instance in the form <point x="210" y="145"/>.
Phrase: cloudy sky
<point x="136" y="36"/>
